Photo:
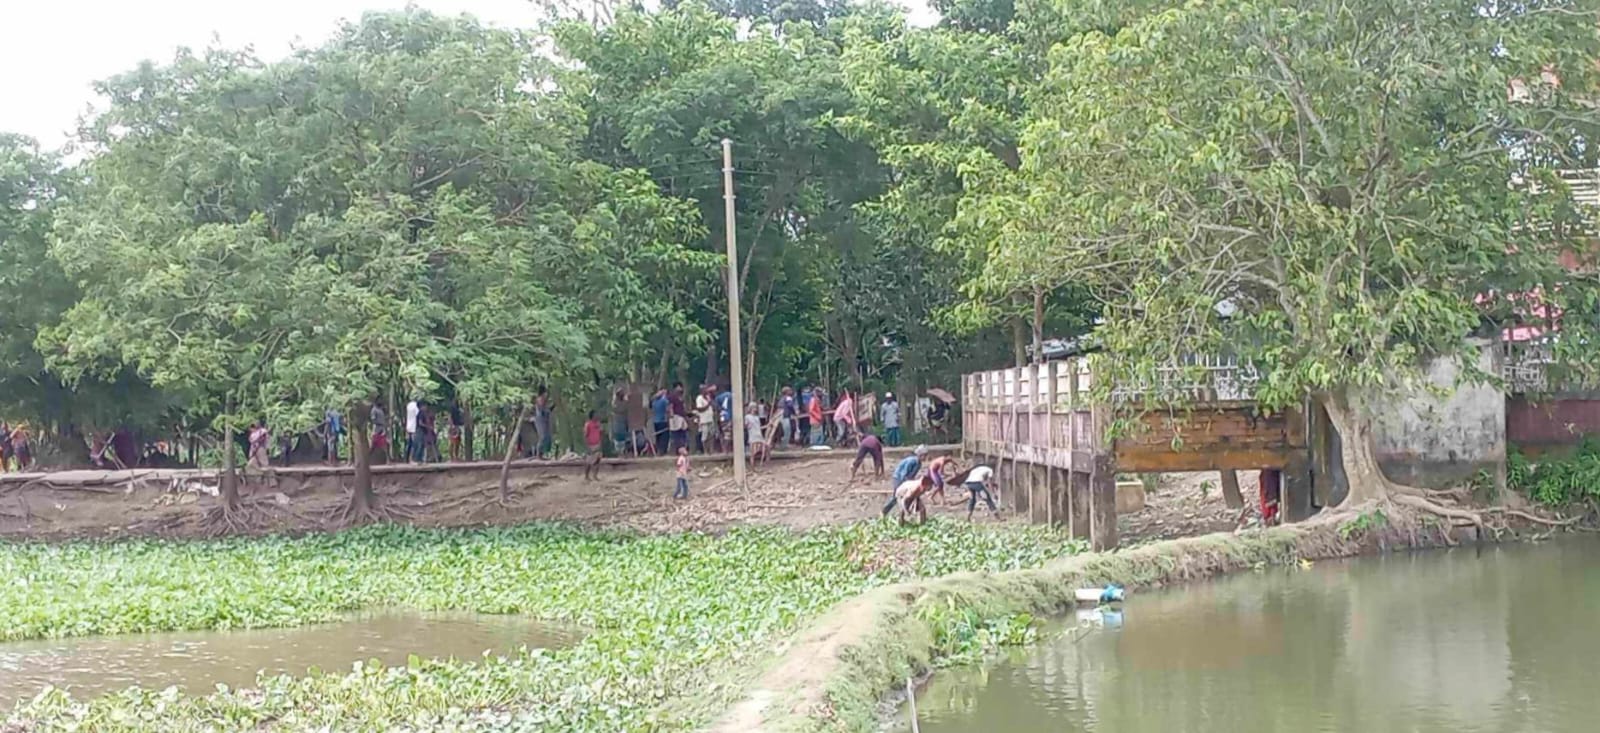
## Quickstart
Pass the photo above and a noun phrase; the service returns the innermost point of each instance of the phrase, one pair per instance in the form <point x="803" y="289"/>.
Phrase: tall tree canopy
<point x="1351" y="178"/>
<point x="421" y="205"/>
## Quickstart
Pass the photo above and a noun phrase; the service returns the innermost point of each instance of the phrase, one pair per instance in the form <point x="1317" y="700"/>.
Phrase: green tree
<point x="403" y="206"/>
<point x="1349" y="176"/>
<point x="666" y="87"/>
<point x="34" y="292"/>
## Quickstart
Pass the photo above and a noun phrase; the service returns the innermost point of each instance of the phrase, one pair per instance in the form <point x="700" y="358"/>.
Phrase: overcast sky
<point x="52" y="50"/>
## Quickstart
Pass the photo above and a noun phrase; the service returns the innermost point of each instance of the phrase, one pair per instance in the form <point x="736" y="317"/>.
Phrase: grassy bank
<point x="833" y="677"/>
<point x="673" y="617"/>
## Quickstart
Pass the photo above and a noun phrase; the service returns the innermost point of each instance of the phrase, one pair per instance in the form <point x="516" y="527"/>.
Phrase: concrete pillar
<point x="1230" y="489"/>
<point x="1296" y="490"/>
<point x="1324" y="457"/>
<point x="1103" y="504"/>
<point x="1039" y="510"/>
<point x="1022" y="498"/>
<point x="1076" y="503"/>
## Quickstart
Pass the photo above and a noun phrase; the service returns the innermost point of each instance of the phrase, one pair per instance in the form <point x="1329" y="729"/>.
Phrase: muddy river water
<point x="1497" y="639"/>
<point x="199" y="661"/>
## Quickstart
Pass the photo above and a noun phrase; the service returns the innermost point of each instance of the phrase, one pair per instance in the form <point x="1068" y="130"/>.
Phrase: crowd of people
<point x="667" y="422"/>
<point x="16" y="448"/>
<point x="910" y="491"/>
<point x="704" y="424"/>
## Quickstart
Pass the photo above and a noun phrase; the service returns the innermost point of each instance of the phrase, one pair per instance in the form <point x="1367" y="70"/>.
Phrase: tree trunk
<point x="1230" y="489"/>
<point x="396" y="418"/>
<point x="228" y="487"/>
<point x="749" y="372"/>
<point x="1359" y="454"/>
<point x="511" y="450"/>
<point x="663" y="379"/>
<point x="361" y="497"/>
<point x="852" y="360"/>
<point x="1019" y="346"/>
<point x="711" y="363"/>
<point x="1038" y="325"/>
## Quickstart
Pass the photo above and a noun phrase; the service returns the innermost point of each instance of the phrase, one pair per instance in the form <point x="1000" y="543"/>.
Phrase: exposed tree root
<point x="33" y="484"/>
<point x="442" y="505"/>
<point x="1404" y="498"/>
<point x="1569" y="521"/>
<point x="249" y="517"/>
<point x="373" y="511"/>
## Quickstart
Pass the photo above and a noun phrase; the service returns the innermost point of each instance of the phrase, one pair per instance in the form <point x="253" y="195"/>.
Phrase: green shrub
<point x="1557" y="481"/>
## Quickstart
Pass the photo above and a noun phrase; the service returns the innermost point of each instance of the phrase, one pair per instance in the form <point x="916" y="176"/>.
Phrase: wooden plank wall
<point x="1214" y="438"/>
<point x="1041" y="415"/>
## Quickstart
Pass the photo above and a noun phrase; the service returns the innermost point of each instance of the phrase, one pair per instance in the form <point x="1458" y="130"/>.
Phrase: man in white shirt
<point x="705" y="413"/>
<point x="976" y="483"/>
<point x="413" y="445"/>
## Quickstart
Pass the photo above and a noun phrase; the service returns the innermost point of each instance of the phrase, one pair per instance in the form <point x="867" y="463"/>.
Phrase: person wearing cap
<point x="889" y="415"/>
<point x="904" y="471"/>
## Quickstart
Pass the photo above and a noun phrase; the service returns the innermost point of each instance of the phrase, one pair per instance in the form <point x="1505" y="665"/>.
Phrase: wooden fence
<point x="1037" y="414"/>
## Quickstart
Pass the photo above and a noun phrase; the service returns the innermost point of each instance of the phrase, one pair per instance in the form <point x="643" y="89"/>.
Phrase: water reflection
<point x="198" y="661"/>
<point x="1491" y="640"/>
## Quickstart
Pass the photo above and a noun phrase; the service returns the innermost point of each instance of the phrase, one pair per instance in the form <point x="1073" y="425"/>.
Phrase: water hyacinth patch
<point x="671" y="618"/>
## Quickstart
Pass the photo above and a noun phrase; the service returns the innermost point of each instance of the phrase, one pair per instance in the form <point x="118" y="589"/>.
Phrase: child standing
<point x="591" y="440"/>
<point x="682" y="490"/>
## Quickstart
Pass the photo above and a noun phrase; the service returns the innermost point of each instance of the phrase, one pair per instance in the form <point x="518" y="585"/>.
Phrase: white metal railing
<point x="1526" y="367"/>
<point x="1585" y="185"/>
<point x="1195" y="378"/>
<point x="1192" y="378"/>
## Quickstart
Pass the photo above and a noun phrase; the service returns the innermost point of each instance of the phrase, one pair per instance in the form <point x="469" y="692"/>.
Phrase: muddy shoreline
<point x="799" y="489"/>
<point x="835" y="674"/>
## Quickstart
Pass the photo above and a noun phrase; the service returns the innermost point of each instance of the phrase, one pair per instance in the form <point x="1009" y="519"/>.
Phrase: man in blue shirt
<point x="904" y="471"/>
<point x="725" y="424"/>
<point x="805" y="417"/>
<point x="332" y="429"/>
<point x="658" y="419"/>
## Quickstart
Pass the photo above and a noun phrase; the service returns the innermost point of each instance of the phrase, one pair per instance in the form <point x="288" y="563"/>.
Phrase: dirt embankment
<point x="800" y="489"/>
<point x="833" y="676"/>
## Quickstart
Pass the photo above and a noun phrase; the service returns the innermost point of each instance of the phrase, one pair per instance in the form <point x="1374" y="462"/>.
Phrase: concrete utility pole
<point x="735" y="348"/>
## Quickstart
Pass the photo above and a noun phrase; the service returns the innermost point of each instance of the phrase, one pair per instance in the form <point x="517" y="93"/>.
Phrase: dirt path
<point x="798" y="490"/>
<point x="1187" y="505"/>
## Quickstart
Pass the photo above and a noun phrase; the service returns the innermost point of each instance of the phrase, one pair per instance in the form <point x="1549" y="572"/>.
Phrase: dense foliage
<point x="1557" y="480"/>
<point x="1334" y="192"/>
<point x="669" y="616"/>
<point x="425" y="205"/>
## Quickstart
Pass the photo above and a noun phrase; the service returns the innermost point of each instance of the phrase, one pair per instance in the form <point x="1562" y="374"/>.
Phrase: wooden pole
<point x="735" y="345"/>
<point x="911" y="697"/>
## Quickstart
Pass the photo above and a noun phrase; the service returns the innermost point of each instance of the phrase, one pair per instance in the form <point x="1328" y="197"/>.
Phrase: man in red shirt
<point x="1271" y="483"/>
<point x="591" y="441"/>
